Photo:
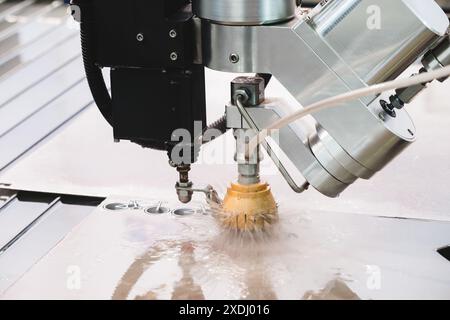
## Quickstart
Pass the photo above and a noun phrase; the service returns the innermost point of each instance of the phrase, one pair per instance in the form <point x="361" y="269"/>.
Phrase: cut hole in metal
<point x="157" y="210"/>
<point x="445" y="252"/>
<point x="116" y="206"/>
<point x="184" y="212"/>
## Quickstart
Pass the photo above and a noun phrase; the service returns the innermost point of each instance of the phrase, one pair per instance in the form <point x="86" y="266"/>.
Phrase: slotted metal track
<point x="31" y="224"/>
<point x="42" y="84"/>
<point x="42" y="88"/>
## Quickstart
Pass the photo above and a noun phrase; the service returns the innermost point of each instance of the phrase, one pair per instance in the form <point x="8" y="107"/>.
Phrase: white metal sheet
<point x="312" y="255"/>
<point x="45" y="233"/>
<point x="29" y="75"/>
<point x="15" y="216"/>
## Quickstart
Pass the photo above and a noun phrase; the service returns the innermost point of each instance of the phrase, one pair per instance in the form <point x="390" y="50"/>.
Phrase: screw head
<point x="174" y="56"/>
<point x="234" y="58"/>
<point x="140" y="37"/>
<point x="173" y="33"/>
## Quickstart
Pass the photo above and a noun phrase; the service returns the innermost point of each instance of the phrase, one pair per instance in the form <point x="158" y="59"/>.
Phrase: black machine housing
<point x="156" y="85"/>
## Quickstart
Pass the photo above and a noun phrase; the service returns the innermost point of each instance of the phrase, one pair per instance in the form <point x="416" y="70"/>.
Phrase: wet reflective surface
<point x="134" y="255"/>
<point x="322" y="249"/>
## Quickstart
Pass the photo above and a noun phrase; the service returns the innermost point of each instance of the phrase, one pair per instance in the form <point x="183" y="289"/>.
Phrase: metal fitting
<point x="184" y="186"/>
<point x="174" y="56"/>
<point x="438" y="57"/>
<point x="173" y="33"/>
<point x="184" y="192"/>
<point x="252" y="89"/>
<point x="234" y="58"/>
<point x="140" y="37"/>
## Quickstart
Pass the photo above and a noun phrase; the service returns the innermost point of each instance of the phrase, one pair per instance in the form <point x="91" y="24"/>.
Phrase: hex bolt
<point x="251" y="89"/>
<point x="173" y="33"/>
<point x="242" y="95"/>
<point x="174" y="56"/>
<point x="140" y="37"/>
<point x="234" y="58"/>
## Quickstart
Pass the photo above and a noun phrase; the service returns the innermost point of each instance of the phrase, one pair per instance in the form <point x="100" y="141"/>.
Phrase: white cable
<point x="349" y="96"/>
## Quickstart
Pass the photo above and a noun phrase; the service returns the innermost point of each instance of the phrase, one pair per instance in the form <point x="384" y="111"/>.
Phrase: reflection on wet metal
<point x="334" y="290"/>
<point x="259" y="266"/>
<point x="314" y="255"/>
<point x="134" y="273"/>
<point x="256" y="285"/>
<point x="184" y="289"/>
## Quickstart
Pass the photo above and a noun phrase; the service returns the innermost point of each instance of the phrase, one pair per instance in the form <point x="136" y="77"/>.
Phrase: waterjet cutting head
<point x="307" y="52"/>
<point x="249" y="208"/>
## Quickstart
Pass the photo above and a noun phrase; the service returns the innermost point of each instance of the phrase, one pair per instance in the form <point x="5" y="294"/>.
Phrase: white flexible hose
<point x="349" y="96"/>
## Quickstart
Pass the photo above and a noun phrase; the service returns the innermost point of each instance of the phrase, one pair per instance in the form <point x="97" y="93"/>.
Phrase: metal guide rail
<point x="42" y="87"/>
<point x="41" y="80"/>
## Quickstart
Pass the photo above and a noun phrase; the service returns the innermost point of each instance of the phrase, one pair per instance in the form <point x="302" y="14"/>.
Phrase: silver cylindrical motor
<point x="245" y="12"/>
<point x="438" y="57"/>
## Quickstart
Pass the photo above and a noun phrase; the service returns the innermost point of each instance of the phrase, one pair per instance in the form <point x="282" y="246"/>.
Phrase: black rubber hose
<point x="94" y="74"/>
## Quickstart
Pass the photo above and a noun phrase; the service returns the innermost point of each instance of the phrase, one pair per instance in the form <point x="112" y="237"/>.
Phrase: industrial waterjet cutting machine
<point x="158" y="50"/>
<point x="305" y="99"/>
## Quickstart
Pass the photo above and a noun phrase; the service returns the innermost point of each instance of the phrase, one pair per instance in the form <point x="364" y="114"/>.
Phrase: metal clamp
<point x="270" y="152"/>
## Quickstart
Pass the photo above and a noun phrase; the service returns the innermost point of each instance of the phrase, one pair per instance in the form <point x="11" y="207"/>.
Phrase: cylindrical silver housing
<point x="439" y="57"/>
<point x="340" y="46"/>
<point x="380" y="39"/>
<point x="245" y="12"/>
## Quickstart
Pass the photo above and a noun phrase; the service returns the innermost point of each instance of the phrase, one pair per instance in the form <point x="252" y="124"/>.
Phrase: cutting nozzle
<point x="249" y="208"/>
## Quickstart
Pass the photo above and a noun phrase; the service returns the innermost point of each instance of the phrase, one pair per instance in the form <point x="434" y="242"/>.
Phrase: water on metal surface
<point x="309" y="256"/>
